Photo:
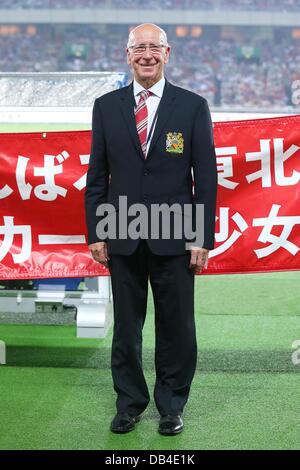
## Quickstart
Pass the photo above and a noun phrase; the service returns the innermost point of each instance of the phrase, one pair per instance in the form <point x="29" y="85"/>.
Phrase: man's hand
<point x="199" y="259"/>
<point x="99" y="252"/>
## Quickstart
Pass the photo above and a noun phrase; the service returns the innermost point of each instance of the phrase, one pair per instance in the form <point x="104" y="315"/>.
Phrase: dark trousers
<point x="172" y="285"/>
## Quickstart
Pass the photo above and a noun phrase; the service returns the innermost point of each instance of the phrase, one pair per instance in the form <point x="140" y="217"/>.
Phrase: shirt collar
<point x="157" y="89"/>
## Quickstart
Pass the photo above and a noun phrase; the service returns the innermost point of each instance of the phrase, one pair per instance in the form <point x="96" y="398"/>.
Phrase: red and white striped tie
<point x="141" y="119"/>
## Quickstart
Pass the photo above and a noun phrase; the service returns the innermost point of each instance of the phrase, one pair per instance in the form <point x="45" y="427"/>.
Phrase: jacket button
<point x="146" y="172"/>
<point x="145" y="199"/>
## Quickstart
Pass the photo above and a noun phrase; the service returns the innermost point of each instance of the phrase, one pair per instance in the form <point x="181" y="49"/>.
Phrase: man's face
<point x="147" y="66"/>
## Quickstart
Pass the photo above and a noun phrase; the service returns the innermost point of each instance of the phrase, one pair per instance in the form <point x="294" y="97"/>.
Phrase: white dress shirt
<point x="152" y="102"/>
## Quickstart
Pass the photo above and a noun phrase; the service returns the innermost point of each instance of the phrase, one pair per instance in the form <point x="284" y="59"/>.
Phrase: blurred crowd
<point x="215" y="71"/>
<point x="210" y="68"/>
<point x="254" y="5"/>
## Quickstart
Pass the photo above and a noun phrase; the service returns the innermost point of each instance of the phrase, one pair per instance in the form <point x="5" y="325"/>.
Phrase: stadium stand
<point x="248" y="5"/>
<point x="248" y="72"/>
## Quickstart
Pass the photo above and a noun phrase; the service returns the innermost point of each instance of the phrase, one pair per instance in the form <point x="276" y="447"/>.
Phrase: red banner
<point x="42" y="226"/>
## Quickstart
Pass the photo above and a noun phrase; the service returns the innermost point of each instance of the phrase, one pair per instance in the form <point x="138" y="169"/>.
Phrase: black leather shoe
<point x="123" y="423"/>
<point x="170" y="425"/>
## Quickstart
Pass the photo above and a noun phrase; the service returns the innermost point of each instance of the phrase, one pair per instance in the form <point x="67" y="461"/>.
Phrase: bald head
<point x="147" y="53"/>
<point x="146" y="29"/>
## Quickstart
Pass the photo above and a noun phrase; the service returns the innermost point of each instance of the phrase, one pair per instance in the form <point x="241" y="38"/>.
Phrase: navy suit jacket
<point x="117" y="165"/>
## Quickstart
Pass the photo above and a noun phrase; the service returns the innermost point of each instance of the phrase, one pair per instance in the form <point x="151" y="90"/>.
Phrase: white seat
<point x="2" y="352"/>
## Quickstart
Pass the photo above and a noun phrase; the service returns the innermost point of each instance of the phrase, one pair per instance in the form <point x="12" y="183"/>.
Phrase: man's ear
<point x="128" y="56"/>
<point x="167" y="55"/>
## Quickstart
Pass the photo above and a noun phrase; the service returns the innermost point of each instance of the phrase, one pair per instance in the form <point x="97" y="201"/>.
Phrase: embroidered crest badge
<point x="174" y="142"/>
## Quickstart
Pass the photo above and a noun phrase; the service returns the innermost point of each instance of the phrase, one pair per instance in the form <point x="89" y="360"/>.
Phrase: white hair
<point x="162" y="35"/>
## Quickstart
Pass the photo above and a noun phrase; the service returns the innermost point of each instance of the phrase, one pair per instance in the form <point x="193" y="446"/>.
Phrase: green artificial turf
<point x="32" y="127"/>
<point x="56" y="390"/>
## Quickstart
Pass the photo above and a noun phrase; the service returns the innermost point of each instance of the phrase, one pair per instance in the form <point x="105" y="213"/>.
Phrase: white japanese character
<point x="81" y="182"/>
<point x="61" y="239"/>
<point x="9" y="230"/>
<point x="223" y="235"/>
<point x="265" y="157"/>
<point x="24" y="188"/>
<point x="276" y="241"/>
<point x="224" y="166"/>
<point x="49" y="190"/>
<point x="5" y="191"/>
<point x="280" y="157"/>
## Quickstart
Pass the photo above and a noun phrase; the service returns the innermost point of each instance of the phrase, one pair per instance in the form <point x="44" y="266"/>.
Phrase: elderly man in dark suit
<point x="150" y="140"/>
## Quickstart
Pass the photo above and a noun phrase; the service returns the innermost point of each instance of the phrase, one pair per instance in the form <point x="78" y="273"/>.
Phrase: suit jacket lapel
<point x="164" y="112"/>
<point x="127" y="107"/>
